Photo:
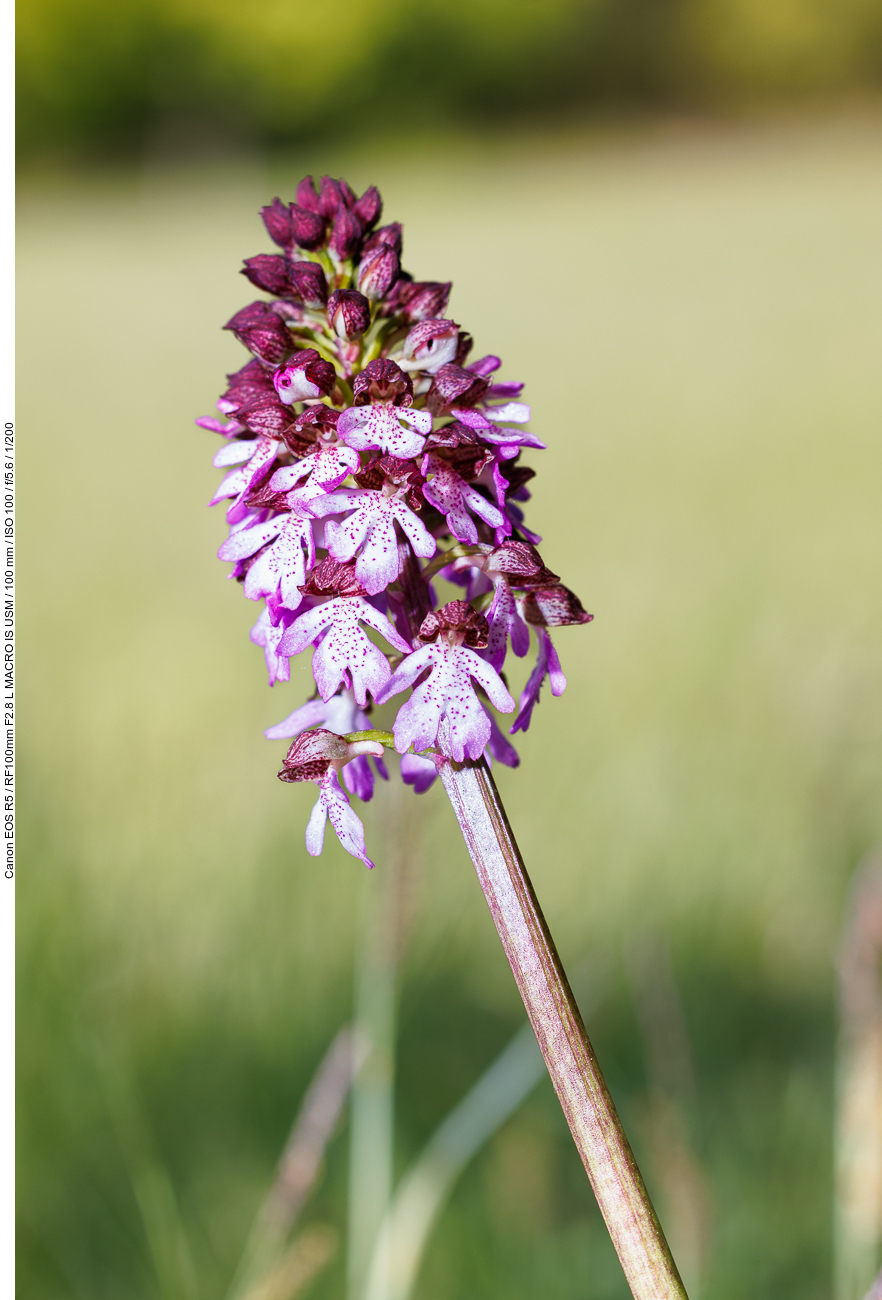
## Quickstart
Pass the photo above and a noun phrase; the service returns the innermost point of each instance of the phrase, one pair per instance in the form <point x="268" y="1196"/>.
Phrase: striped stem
<point x="569" y="1057"/>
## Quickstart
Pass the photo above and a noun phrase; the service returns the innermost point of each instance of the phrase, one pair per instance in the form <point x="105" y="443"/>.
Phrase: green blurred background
<point x="696" y="310"/>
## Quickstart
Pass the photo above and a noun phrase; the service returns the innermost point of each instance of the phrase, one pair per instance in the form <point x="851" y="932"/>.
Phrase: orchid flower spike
<point x="364" y="451"/>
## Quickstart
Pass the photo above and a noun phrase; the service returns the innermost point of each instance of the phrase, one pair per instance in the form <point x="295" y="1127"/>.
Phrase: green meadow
<point x="696" y="313"/>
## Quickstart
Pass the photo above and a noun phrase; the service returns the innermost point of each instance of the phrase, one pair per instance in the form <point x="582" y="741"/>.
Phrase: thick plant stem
<point x="569" y="1056"/>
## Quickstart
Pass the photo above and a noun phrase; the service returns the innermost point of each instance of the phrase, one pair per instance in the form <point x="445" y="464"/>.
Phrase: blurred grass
<point x="96" y="77"/>
<point x="697" y="318"/>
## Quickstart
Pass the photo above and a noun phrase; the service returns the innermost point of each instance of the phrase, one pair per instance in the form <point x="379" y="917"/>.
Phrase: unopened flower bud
<point x="307" y="228"/>
<point x="390" y="236"/>
<point x="460" y="622"/>
<point x="349" y="313"/>
<point x="554" y="606"/>
<point x="307" y="283"/>
<point x="369" y="207"/>
<point x="306" y="377"/>
<point x="290" y="225"/>
<point x="260" y="330"/>
<point x="346" y="235"/>
<point x="304" y="281"/>
<point x="267" y="271"/>
<point x="430" y="345"/>
<point x="330" y="198"/>
<point x="307" y="196"/>
<point x="382" y="381"/>
<point x="377" y="272"/>
<point x="421" y="300"/>
<point x="347" y="193"/>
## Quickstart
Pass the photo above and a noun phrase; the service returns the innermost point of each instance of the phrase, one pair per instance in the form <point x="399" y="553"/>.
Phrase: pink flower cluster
<point x="366" y="454"/>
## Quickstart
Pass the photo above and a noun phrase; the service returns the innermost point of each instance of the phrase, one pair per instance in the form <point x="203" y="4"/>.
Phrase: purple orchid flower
<point x="383" y="428"/>
<point x="447" y="492"/>
<point x="371" y="527"/>
<point x="319" y="756"/>
<point x="344" y="654"/>
<point x="347" y="466"/>
<point x="444" y="709"/>
<point x="253" y="459"/>
<point x="340" y="715"/>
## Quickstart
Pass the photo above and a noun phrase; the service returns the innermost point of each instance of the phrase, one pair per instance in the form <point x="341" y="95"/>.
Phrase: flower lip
<point x="461" y="623"/>
<point x="383" y="381"/>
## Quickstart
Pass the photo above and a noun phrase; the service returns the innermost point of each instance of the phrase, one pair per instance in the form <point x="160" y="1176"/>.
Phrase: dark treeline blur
<point x="105" y="77"/>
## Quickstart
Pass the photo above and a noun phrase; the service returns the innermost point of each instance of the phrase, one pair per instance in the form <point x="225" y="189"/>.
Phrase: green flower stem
<point x="569" y="1057"/>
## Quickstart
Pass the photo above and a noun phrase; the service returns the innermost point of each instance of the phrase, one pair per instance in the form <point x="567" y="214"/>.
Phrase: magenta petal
<point x="418" y="772"/>
<point x="310" y="714"/>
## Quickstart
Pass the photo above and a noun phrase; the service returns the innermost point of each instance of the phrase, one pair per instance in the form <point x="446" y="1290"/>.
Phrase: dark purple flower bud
<point x="244" y="384"/>
<point x="382" y="381"/>
<point x="307" y="228"/>
<point x="306" y="377"/>
<point x="422" y="300"/>
<point x="277" y="219"/>
<point x="267" y="271"/>
<point x="347" y="194"/>
<point x="554" y="606"/>
<point x="369" y="207"/>
<point x="458" y="617"/>
<point x="349" y="313"/>
<point x="330" y="577"/>
<point x="330" y="198"/>
<point x="258" y="328"/>
<point x="453" y="384"/>
<point x="292" y="225"/>
<point x="377" y="272"/>
<point x="387" y="236"/>
<point x="346" y="235"/>
<point x="307" y="283"/>
<point x="307" y="196"/>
